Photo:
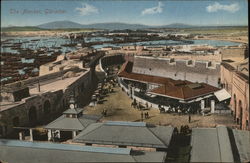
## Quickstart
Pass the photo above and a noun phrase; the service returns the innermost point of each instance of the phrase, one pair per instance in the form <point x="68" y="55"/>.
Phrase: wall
<point x="58" y="101"/>
<point x="239" y="90"/>
<point x="34" y="80"/>
<point x="178" y="70"/>
<point x="238" y="87"/>
<point x="230" y="52"/>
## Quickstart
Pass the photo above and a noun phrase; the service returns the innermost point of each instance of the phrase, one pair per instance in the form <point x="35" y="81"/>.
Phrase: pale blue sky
<point x="195" y="12"/>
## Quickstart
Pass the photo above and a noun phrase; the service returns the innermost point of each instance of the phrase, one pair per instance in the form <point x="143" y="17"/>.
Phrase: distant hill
<point x="60" y="25"/>
<point x="109" y="26"/>
<point x="66" y="25"/>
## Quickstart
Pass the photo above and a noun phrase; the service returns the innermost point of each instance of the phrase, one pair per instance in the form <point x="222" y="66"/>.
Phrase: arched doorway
<point x="46" y="107"/>
<point x="32" y="115"/>
<point x="235" y="107"/>
<point x="15" y="121"/>
<point x="240" y="113"/>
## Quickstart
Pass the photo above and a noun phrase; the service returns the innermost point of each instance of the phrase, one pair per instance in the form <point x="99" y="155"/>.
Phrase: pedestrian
<point x="175" y="130"/>
<point x="141" y="116"/>
<point x="145" y="115"/>
<point x="189" y="118"/>
<point x="105" y="112"/>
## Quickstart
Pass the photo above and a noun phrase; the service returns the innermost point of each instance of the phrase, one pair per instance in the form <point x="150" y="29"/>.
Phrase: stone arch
<point x="32" y="115"/>
<point x="15" y="121"/>
<point x="235" y="106"/>
<point x="46" y="107"/>
<point x="240" y="114"/>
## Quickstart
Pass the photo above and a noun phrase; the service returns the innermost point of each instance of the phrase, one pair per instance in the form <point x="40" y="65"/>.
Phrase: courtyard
<point x="118" y="107"/>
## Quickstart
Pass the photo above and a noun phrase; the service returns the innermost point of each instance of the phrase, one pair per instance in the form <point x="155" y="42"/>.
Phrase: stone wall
<point x="111" y="60"/>
<point x="198" y="71"/>
<point x="34" y="80"/>
<point x="240" y="92"/>
<point x="233" y="52"/>
<point x="238" y="87"/>
<point x="43" y="108"/>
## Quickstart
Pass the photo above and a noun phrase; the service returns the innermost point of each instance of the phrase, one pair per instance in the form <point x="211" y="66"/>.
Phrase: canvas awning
<point x="199" y="99"/>
<point x="222" y="95"/>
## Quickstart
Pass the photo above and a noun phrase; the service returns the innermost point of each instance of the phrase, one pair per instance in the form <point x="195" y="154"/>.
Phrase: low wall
<point x="34" y="80"/>
<point x="111" y="60"/>
<point x="138" y="99"/>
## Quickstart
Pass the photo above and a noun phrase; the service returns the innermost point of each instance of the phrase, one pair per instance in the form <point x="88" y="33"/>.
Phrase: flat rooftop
<point x="16" y="151"/>
<point x="54" y="84"/>
<point x="137" y="134"/>
<point x="220" y="144"/>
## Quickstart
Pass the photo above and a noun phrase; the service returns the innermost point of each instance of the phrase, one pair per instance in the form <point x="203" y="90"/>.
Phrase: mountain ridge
<point x="66" y="24"/>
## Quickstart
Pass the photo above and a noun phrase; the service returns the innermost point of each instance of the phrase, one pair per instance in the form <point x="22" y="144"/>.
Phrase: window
<point x="172" y="61"/>
<point x="209" y="64"/>
<point x="190" y="63"/>
<point x="219" y="80"/>
<point x="237" y="121"/>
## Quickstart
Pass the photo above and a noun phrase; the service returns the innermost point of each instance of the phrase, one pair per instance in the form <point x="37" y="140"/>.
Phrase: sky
<point x="148" y="12"/>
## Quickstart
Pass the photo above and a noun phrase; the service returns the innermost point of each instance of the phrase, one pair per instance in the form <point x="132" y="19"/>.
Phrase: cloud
<point x="217" y="6"/>
<point x="153" y="10"/>
<point x="87" y="9"/>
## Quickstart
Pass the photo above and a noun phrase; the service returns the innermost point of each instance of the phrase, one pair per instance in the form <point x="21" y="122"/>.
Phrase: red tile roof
<point x="172" y="88"/>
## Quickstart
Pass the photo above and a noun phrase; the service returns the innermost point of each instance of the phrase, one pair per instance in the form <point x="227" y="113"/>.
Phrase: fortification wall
<point x="42" y="108"/>
<point x="198" y="71"/>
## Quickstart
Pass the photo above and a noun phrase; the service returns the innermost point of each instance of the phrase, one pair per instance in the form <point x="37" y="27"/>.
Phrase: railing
<point x="124" y="84"/>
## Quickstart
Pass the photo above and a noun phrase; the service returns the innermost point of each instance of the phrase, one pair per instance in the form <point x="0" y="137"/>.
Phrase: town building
<point x="70" y="123"/>
<point x="16" y="151"/>
<point x="136" y="135"/>
<point x="176" y="85"/>
<point x="38" y="100"/>
<point x="178" y="69"/>
<point x="220" y="144"/>
<point x="235" y="79"/>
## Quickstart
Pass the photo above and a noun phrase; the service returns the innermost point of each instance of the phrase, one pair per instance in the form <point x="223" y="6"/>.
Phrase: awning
<point x="222" y="95"/>
<point x="199" y="99"/>
<point x="208" y="96"/>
